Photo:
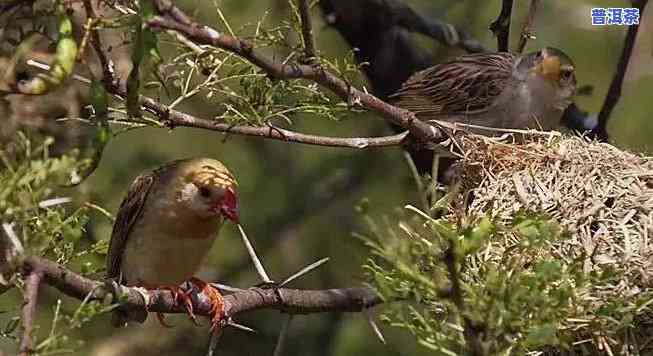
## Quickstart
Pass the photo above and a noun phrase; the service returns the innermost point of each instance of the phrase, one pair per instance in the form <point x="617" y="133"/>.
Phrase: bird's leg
<point x="217" y="302"/>
<point x="180" y="296"/>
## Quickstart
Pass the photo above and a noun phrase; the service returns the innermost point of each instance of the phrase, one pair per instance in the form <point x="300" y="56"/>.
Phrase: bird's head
<point x="554" y="67"/>
<point x="549" y="69"/>
<point x="209" y="189"/>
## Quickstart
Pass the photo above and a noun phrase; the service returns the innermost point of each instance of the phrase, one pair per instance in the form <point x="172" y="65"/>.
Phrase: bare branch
<point x="206" y="35"/>
<point x="30" y="297"/>
<point x="501" y="26"/>
<point x="173" y="118"/>
<point x="107" y="70"/>
<point x="307" y="30"/>
<point x="527" y="28"/>
<point x="292" y="301"/>
<point x="614" y="92"/>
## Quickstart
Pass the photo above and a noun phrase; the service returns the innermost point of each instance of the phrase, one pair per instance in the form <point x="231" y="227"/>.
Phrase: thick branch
<point x="307" y="29"/>
<point x="205" y="35"/>
<point x="614" y="93"/>
<point x="501" y="26"/>
<point x="293" y="301"/>
<point x="30" y="296"/>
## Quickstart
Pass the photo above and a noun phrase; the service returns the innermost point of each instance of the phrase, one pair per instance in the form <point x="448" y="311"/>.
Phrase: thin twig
<point x="527" y="29"/>
<point x="108" y="75"/>
<point x="614" y="92"/>
<point x="30" y="297"/>
<point x="202" y="34"/>
<point x="283" y="337"/>
<point x="501" y="26"/>
<point x="472" y="335"/>
<point x="173" y="118"/>
<point x="307" y="30"/>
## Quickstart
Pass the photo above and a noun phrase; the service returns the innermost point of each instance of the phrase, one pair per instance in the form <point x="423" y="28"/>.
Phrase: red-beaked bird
<point x="165" y="227"/>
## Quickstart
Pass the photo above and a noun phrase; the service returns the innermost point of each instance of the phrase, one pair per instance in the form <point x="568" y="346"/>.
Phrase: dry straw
<point x="602" y="195"/>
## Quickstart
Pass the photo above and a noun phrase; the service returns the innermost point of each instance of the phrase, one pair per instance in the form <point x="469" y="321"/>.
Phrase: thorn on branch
<point x="370" y="320"/>
<point x="304" y="271"/>
<point x="252" y="254"/>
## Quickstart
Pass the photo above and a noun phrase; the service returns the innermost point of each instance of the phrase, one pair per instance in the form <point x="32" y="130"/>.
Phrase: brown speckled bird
<point x="499" y="90"/>
<point x="165" y="227"/>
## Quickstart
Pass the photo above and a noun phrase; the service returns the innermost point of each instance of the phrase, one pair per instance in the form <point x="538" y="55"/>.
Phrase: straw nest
<point x="602" y="195"/>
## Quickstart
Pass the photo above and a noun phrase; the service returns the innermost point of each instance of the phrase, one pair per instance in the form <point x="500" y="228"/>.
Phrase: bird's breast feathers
<point x="160" y="250"/>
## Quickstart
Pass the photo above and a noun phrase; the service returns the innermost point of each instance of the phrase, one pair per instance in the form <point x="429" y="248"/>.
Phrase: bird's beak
<point x="549" y="68"/>
<point x="228" y="206"/>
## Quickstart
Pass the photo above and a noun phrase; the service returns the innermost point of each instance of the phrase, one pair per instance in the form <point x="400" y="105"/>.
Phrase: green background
<point x="297" y="202"/>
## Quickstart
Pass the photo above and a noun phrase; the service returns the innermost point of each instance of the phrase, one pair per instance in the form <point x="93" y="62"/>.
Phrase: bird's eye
<point x="205" y="192"/>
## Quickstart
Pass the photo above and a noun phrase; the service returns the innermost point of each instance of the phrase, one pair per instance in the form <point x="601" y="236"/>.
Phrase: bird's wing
<point x="468" y="84"/>
<point x="130" y="211"/>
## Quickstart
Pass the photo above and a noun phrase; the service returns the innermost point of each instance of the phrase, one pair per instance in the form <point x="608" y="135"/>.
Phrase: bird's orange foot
<point x="217" y="302"/>
<point x="181" y="297"/>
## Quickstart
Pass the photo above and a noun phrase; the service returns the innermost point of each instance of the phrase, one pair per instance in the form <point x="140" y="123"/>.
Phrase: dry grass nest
<point x="601" y="195"/>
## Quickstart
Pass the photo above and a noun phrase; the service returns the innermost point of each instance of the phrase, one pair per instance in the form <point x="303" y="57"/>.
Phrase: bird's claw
<point x="218" y="320"/>
<point x="182" y="297"/>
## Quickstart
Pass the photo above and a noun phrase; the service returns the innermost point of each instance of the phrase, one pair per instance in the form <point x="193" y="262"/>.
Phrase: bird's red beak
<point x="228" y="206"/>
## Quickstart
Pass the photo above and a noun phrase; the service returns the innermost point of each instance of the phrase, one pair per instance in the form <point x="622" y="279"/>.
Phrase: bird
<point x="164" y="228"/>
<point x="495" y="90"/>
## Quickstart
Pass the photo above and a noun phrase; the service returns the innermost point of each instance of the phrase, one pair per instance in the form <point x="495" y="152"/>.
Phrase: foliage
<point x="34" y="212"/>
<point x="456" y="301"/>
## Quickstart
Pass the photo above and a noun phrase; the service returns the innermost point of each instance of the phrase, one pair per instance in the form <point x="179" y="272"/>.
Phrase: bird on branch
<point x="165" y="227"/>
<point x="497" y="90"/>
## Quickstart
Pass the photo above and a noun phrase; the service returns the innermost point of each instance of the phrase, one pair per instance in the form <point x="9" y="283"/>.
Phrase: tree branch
<point x="614" y="92"/>
<point x="107" y="71"/>
<point x="501" y="26"/>
<point x="292" y="301"/>
<point x="174" y="118"/>
<point x="307" y="30"/>
<point x="30" y="297"/>
<point x="527" y="31"/>
<point x="205" y="35"/>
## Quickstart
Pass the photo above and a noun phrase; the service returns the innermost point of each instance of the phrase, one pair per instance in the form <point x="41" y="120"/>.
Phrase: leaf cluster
<point x="36" y="220"/>
<point x="456" y="300"/>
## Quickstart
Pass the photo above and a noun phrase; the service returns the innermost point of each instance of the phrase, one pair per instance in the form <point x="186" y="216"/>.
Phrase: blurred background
<point x="298" y="202"/>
